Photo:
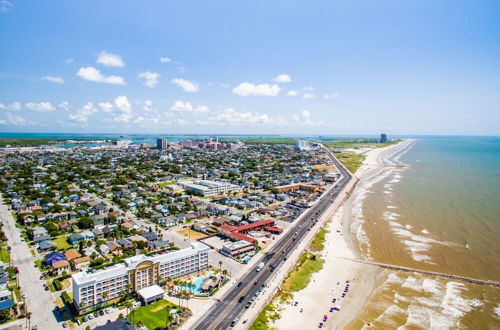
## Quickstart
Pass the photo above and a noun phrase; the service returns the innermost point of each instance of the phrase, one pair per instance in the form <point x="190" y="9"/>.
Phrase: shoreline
<point x="340" y="246"/>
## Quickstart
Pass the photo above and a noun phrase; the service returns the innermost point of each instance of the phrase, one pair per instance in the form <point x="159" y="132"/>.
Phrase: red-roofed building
<point x="238" y="233"/>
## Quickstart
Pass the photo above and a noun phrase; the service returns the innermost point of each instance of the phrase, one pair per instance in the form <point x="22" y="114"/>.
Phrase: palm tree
<point x="128" y="305"/>
<point x="139" y="324"/>
<point x="169" y="316"/>
<point x="220" y="265"/>
<point x="28" y="317"/>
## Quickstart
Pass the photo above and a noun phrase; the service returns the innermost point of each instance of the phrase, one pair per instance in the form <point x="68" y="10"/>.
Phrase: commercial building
<point x="302" y="145"/>
<point x="383" y="138"/>
<point x="96" y="289"/>
<point x="236" y="248"/>
<point x="239" y="233"/>
<point x="210" y="188"/>
<point x="122" y="143"/>
<point x="161" y="144"/>
<point x="294" y="187"/>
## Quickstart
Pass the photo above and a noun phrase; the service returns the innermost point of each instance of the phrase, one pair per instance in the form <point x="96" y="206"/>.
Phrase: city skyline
<point x="248" y="68"/>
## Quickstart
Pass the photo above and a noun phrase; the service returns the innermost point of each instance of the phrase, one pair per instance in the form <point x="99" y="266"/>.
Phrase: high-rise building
<point x="302" y="145"/>
<point x="383" y="138"/>
<point x="161" y="144"/>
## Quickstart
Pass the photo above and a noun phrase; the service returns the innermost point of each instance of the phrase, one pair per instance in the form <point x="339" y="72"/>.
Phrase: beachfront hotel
<point x="95" y="289"/>
<point x="209" y="187"/>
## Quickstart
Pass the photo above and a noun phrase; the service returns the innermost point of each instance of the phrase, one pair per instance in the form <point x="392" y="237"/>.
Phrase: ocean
<point x="433" y="206"/>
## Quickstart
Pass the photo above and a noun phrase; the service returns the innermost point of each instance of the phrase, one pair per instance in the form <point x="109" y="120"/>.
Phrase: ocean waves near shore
<point x="416" y="209"/>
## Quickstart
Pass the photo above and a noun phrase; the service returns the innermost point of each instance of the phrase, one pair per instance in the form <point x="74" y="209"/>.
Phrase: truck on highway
<point x="260" y="266"/>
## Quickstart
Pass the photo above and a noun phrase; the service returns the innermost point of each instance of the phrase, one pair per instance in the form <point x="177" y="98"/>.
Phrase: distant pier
<point x="427" y="272"/>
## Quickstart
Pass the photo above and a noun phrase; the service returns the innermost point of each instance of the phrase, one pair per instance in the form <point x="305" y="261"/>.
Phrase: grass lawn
<point x="152" y="316"/>
<point x="62" y="243"/>
<point x="300" y="276"/>
<point x="4" y="254"/>
<point x="318" y="243"/>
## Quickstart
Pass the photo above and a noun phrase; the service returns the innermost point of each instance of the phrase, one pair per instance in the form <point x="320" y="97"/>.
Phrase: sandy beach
<point x="330" y="283"/>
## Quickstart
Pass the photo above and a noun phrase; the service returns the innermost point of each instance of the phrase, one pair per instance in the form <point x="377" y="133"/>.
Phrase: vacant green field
<point x="62" y="243"/>
<point x="4" y="254"/>
<point x="152" y="316"/>
<point x="356" y="143"/>
<point x="351" y="160"/>
<point x="318" y="243"/>
<point x="300" y="276"/>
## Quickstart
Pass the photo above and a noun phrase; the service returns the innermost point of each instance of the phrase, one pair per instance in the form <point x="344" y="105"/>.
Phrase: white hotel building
<point x="92" y="290"/>
<point x="209" y="187"/>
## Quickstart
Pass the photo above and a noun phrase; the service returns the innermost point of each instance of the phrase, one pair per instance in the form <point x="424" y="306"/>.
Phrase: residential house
<point x="72" y="254"/>
<point x="45" y="246"/>
<point x="87" y="235"/>
<point x="53" y="257"/>
<point x="5" y="300"/>
<point x="125" y="243"/>
<point x="98" y="232"/>
<point x="151" y="236"/>
<point x="80" y="263"/>
<point x="61" y="266"/>
<point x="75" y="238"/>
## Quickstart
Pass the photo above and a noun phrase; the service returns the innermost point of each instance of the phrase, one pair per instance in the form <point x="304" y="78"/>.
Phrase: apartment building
<point x="210" y="188"/>
<point x="95" y="289"/>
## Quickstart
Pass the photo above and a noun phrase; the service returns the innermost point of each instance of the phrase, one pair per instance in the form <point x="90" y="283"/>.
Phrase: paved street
<point x="233" y="303"/>
<point x="40" y="302"/>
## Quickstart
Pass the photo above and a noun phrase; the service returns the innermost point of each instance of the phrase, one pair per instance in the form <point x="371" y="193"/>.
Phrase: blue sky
<point x="308" y="67"/>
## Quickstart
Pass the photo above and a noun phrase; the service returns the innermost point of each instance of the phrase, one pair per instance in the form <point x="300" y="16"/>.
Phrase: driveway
<point x="39" y="302"/>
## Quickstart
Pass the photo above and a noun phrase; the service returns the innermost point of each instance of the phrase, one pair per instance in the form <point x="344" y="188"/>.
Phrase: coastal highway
<point x="232" y="304"/>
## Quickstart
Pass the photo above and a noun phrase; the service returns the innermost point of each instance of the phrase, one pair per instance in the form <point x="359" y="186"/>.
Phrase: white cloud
<point x="14" y="106"/>
<point x="309" y="96"/>
<point x="182" y="106"/>
<point x="247" y="89"/>
<point x="5" y="6"/>
<point x="122" y="104"/>
<point x="201" y="109"/>
<point x="105" y="106"/>
<point x="109" y="59"/>
<point x="64" y="105"/>
<point x="305" y="119"/>
<point x="165" y="60"/>
<point x="283" y="78"/>
<point x="147" y="106"/>
<point x="69" y="60"/>
<point x="81" y="115"/>
<point x="149" y="78"/>
<point x="331" y="96"/>
<point x="308" y="88"/>
<point x="92" y="74"/>
<point x="57" y="80"/>
<point x="186" y="85"/>
<point x="234" y="118"/>
<point x="16" y="120"/>
<point x="292" y="93"/>
<point x="40" y="107"/>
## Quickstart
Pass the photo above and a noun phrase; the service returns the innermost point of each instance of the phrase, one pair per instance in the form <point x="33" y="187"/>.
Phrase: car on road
<point x="233" y="322"/>
<point x="247" y="306"/>
<point x="96" y="314"/>
<point x="240" y="284"/>
<point x="101" y="312"/>
<point x="91" y="317"/>
<point x="241" y="299"/>
<point x="255" y="283"/>
<point x="65" y="325"/>
<point x="108" y="310"/>
<point x="24" y="296"/>
<point x="85" y="318"/>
